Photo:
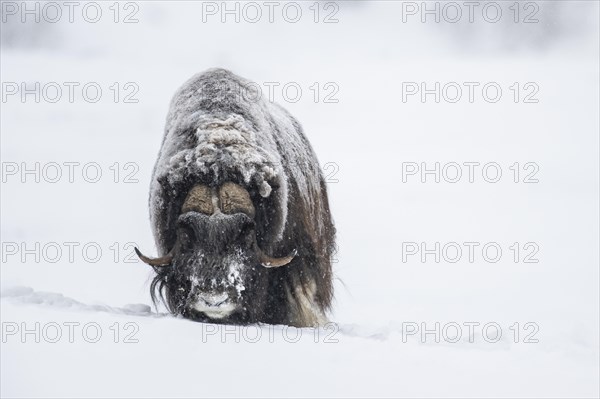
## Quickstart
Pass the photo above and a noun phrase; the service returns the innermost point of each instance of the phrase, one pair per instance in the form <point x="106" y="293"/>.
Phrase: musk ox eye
<point x="234" y="198"/>
<point x="199" y="199"/>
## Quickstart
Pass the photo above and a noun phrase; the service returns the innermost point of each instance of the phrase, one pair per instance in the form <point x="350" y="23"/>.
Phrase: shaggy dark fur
<point x="214" y="134"/>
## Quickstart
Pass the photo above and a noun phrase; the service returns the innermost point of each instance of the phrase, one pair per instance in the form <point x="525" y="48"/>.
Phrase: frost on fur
<point x="215" y="134"/>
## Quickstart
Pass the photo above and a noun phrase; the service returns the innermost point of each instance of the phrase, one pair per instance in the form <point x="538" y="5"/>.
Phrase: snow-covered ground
<point x="77" y="322"/>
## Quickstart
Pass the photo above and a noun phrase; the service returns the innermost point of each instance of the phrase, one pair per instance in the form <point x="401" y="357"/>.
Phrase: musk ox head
<point x="216" y="269"/>
<point x="239" y="209"/>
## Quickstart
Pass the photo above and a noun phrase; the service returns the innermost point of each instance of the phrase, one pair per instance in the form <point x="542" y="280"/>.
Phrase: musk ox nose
<point x="213" y="305"/>
<point x="213" y="299"/>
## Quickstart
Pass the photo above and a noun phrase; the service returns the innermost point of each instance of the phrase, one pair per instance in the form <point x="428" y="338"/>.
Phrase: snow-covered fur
<point x="218" y="132"/>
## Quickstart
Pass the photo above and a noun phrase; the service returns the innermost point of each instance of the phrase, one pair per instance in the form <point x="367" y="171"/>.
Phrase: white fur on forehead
<point x="222" y="146"/>
<point x="225" y="146"/>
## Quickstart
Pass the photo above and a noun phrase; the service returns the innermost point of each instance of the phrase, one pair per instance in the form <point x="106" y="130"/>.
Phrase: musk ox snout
<point x="219" y="285"/>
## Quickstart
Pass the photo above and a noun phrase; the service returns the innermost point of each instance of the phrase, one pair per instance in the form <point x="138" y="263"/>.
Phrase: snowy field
<point x="76" y="314"/>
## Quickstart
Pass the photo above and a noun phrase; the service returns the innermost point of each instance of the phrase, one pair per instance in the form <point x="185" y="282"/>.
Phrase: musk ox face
<point x="216" y="271"/>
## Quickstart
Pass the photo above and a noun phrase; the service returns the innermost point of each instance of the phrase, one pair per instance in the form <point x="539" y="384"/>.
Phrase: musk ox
<point x="239" y="210"/>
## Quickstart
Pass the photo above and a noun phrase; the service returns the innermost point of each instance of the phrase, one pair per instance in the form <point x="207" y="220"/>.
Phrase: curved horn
<point x="268" y="261"/>
<point x="156" y="262"/>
